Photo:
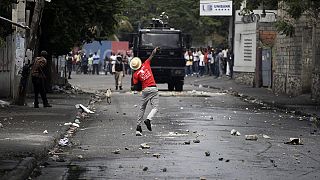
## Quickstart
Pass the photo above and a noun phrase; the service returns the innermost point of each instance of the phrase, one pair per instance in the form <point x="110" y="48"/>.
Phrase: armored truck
<point x="168" y="65"/>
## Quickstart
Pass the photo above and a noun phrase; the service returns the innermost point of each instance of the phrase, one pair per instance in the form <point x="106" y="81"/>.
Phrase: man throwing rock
<point x="143" y="74"/>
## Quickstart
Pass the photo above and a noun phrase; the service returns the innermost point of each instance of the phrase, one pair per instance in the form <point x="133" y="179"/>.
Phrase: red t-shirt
<point x="144" y="75"/>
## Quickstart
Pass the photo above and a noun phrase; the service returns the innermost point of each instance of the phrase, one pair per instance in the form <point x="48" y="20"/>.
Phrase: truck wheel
<point x="170" y="86"/>
<point x="179" y="86"/>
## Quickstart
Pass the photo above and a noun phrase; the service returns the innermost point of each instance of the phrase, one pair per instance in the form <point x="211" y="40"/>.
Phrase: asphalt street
<point x="105" y="145"/>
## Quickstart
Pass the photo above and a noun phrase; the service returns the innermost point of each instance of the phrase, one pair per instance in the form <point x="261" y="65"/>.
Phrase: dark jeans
<point x="95" y="68"/>
<point x="39" y="87"/>
<point x="201" y="70"/>
<point x="85" y="69"/>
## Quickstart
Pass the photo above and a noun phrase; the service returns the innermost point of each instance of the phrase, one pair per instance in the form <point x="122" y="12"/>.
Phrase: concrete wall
<point x="294" y="67"/>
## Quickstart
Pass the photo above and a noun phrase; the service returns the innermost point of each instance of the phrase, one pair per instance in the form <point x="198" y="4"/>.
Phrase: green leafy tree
<point x="73" y="22"/>
<point x="183" y="14"/>
<point x="5" y="27"/>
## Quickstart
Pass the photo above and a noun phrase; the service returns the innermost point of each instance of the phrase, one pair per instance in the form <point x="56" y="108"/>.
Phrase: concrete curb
<point x="22" y="170"/>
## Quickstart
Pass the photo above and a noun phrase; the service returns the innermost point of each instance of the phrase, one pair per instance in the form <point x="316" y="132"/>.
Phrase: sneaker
<point x="147" y="122"/>
<point x="138" y="133"/>
<point x="139" y="129"/>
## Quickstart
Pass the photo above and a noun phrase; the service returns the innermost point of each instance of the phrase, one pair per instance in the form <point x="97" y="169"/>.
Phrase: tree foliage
<point x="73" y="22"/>
<point x="5" y="27"/>
<point x="183" y="14"/>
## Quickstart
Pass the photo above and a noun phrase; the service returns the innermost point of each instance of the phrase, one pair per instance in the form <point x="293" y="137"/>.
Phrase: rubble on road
<point x="207" y="153"/>
<point x="45" y="132"/>
<point x="4" y="104"/>
<point x="187" y="142"/>
<point x="1" y="125"/>
<point x="63" y="142"/>
<point x="196" y="141"/>
<point x="117" y="151"/>
<point x="157" y="155"/>
<point x="235" y="132"/>
<point x="144" y="146"/>
<point x="266" y="136"/>
<point x="84" y="109"/>
<point x="253" y="137"/>
<point x="145" y="168"/>
<point x="294" y="141"/>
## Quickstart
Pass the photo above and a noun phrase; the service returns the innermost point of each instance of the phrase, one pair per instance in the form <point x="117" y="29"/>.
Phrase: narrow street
<point x="105" y="145"/>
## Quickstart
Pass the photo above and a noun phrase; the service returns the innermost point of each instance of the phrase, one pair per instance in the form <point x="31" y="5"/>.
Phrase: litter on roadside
<point x="45" y="132"/>
<point x="63" y="142"/>
<point x="144" y="146"/>
<point x="68" y="123"/>
<point x="4" y="103"/>
<point x="266" y="136"/>
<point x="235" y="132"/>
<point x="294" y="141"/>
<point x="85" y="109"/>
<point x="253" y="137"/>
<point x="157" y="155"/>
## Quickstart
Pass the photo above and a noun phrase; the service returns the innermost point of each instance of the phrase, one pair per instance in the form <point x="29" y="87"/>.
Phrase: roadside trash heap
<point x="82" y="114"/>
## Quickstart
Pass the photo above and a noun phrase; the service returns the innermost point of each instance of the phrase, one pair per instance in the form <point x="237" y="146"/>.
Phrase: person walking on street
<point x="119" y="72"/>
<point x="84" y="63"/>
<point x="95" y="64"/>
<point x="143" y="74"/>
<point x="38" y="79"/>
<point x="69" y="64"/>
<point x="90" y="63"/>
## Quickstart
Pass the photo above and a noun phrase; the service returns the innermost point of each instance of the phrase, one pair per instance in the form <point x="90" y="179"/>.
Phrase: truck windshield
<point x="150" y="40"/>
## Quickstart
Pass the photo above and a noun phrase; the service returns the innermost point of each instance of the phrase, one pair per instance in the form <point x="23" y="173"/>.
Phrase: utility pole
<point x="31" y="47"/>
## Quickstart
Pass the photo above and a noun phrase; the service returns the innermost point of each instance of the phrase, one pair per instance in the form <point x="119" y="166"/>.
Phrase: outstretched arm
<point x="153" y="53"/>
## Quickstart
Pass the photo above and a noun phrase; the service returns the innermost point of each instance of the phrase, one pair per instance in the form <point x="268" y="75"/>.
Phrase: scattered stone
<point x="220" y="159"/>
<point x="203" y="178"/>
<point x="228" y="160"/>
<point x="253" y="137"/>
<point x="157" y="155"/>
<point x="266" y="136"/>
<point x="145" y="169"/>
<point x="75" y="125"/>
<point x="117" y="151"/>
<point x="123" y="134"/>
<point x="144" y="146"/>
<point x="138" y="133"/>
<point x="126" y="148"/>
<point x="196" y="141"/>
<point x="181" y="108"/>
<point x="77" y="121"/>
<point x="207" y="153"/>
<point x="124" y="114"/>
<point x="235" y="132"/>
<point x="80" y="156"/>
<point x="187" y="142"/>
<point x="164" y="170"/>
<point x="120" y="166"/>
<point x="4" y="103"/>
<point x="45" y="132"/>
<point x="68" y="123"/>
<point x="294" y="141"/>
<point x="1" y="125"/>
<point x="63" y="142"/>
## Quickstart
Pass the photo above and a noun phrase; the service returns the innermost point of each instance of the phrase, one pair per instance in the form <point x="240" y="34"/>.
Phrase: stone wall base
<point x="244" y="78"/>
<point x="315" y="91"/>
<point x="287" y="84"/>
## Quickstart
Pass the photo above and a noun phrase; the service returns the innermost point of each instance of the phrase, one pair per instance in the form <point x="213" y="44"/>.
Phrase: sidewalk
<point x="302" y="105"/>
<point x="22" y="137"/>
